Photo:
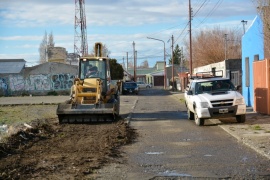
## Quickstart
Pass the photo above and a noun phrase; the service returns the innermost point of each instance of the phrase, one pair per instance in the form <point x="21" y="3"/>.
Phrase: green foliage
<point x="117" y="71"/>
<point x="178" y="56"/>
<point x="257" y="127"/>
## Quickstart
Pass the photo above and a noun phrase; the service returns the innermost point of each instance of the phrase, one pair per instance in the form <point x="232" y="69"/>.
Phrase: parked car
<point x="210" y="97"/>
<point x="143" y="85"/>
<point x="130" y="88"/>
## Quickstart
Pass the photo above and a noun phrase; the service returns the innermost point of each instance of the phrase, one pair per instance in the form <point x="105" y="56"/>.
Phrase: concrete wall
<point x="252" y="44"/>
<point x="208" y="68"/>
<point x="231" y="68"/>
<point x="39" y="80"/>
<point x="226" y="65"/>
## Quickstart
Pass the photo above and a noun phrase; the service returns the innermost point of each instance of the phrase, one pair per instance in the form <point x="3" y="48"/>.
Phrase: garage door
<point x="158" y="81"/>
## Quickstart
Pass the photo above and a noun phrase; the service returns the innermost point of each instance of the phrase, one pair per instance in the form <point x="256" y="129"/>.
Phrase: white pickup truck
<point x="213" y="97"/>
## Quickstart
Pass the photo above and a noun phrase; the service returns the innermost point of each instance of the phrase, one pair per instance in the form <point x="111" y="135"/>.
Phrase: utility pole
<point x="172" y="66"/>
<point x="190" y="39"/>
<point x="123" y="62"/>
<point x="135" y="66"/>
<point x="127" y="61"/>
<point x="244" y="23"/>
<point x="134" y="61"/>
<point x="225" y="39"/>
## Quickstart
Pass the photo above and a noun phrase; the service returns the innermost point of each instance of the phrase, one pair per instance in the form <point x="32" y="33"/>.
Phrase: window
<point x="235" y="78"/>
<point x="247" y="71"/>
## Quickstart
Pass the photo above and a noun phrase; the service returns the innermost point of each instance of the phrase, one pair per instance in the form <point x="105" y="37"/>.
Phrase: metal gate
<point x="261" y="76"/>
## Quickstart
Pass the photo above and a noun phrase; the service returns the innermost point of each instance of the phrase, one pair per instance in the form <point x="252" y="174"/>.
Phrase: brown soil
<point x="67" y="151"/>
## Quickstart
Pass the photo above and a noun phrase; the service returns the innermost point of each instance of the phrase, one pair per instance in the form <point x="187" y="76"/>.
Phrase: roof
<point x="11" y="66"/>
<point x="158" y="73"/>
<point x="141" y="71"/>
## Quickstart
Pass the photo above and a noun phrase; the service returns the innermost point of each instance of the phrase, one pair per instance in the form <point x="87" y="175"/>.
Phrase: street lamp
<point x="164" y="59"/>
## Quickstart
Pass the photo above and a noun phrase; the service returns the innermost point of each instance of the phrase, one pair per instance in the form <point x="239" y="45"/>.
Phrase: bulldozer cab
<point x="93" y="68"/>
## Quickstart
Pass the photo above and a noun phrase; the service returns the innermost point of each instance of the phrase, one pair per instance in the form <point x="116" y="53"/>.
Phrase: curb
<point x="128" y="119"/>
<point x="241" y="139"/>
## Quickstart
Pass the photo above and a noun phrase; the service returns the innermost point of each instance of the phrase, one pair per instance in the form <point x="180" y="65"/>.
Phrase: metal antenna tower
<point x="80" y="33"/>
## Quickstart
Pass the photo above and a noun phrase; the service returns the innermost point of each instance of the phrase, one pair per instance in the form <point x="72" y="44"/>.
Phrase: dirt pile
<point x="68" y="151"/>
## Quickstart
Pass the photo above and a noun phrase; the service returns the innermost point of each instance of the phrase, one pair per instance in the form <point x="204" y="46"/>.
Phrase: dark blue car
<point x="130" y="88"/>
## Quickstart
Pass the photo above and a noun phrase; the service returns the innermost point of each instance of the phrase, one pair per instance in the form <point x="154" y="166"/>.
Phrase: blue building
<point x="252" y="50"/>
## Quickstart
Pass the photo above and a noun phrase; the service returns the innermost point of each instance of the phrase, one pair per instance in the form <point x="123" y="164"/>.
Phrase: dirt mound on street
<point x="67" y="151"/>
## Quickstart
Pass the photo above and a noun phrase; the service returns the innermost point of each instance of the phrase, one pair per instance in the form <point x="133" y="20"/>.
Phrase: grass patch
<point x="257" y="127"/>
<point x="182" y="100"/>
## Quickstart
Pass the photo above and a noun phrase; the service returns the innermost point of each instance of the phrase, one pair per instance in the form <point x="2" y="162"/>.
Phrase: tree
<point x="50" y="40"/>
<point x="178" y="56"/>
<point x="105" y="51"/>
<point x="144" y="64"/>
<point x="117" y="71"/>
<point x="264" y="11"/>
<point x="47" y="42"/>
<point x="131" y="64"/>
<point x="43" y="49"/>
<point x="209" y="46"/>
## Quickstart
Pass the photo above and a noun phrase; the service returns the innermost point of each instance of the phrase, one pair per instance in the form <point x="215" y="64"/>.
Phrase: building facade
<point x="252" y="50"/>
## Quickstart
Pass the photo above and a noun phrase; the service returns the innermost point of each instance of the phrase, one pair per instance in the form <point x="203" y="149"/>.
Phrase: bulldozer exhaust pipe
<point x="98" y="49"/>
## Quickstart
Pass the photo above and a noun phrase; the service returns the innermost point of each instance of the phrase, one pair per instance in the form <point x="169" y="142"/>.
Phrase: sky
<point x="115" y="23"/>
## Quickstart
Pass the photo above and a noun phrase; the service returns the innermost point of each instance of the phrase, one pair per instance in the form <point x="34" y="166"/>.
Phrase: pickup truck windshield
<point x="210" y="86"/>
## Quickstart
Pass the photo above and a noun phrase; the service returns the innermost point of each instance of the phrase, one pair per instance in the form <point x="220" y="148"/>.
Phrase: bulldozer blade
<point x="85" y="118"/>
<point x="68" y="113"/>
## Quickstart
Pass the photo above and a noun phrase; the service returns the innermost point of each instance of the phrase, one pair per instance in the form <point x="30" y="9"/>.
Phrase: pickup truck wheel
<point x="241" y="118"/>
<point x="190" y="115"/>
<point x="198" y="121"/>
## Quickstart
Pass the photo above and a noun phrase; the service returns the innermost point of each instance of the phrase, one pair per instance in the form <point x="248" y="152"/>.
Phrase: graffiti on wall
<point x="39" y="82"/>
<point x="3" y="86"/>
<point x="62" y="81"/>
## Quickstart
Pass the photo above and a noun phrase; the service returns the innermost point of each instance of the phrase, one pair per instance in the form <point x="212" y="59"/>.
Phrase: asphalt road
<point x="170" y="146"/>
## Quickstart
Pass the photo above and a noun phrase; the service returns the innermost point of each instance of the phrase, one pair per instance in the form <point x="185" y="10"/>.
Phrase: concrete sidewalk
<point x="255" y="132"/>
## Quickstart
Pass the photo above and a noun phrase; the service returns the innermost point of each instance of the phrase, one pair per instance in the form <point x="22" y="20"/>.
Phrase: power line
<point x="205" y="1"/>
<point x="211" y="12"/>
<point x="182" y="32"/>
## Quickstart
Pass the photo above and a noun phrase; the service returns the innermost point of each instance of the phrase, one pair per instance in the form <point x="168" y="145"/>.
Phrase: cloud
<point x="30" y="58"/>
<point x="105" y="13"/>
<point x="31" y="14"/>
<point x="35" y="13"/>
<point x="21" y="38"/>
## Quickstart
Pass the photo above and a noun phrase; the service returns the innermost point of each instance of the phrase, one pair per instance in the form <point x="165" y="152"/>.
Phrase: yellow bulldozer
<point x="93" y="97"/>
